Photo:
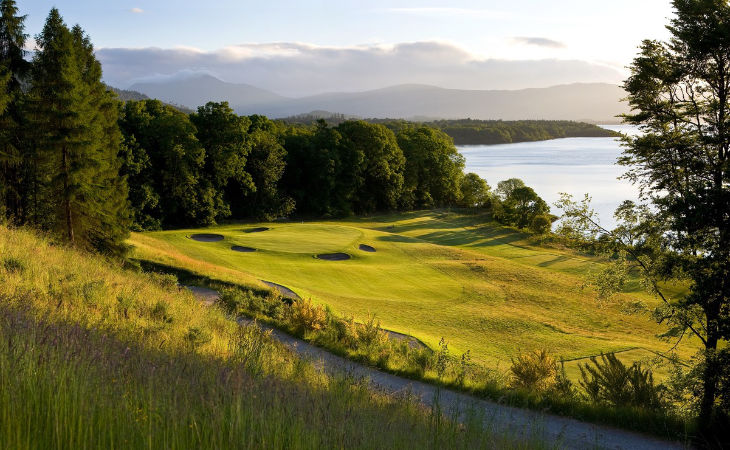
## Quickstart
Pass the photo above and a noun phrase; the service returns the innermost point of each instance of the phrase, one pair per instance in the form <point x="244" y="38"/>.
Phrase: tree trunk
<point x="710" y="378"/>
<point x="67" y="198"/>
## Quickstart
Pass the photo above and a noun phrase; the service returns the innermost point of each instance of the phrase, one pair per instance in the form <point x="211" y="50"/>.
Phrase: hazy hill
<point x="198" y="90"/>
<point x="126" y="95"/>
<point x="598" y="102"/>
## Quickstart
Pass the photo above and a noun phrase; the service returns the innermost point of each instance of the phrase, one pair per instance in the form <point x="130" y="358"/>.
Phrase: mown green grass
<point x="94" y="356"/>
<point x="482" y="287"/>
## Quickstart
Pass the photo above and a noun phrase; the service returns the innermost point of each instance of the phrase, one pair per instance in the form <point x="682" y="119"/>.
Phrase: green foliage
<point x="224" y="135"/>
<point x="266" y="163"/>
<point x="14" y="159"/>
<point x="481" y="132"/>
<point x="375" y="166"/>
<point x="678" y="94"/>
<point x="74" y="120"/>
<point x="370" y="333"/>
<point x="433" y="168"/>
<point x="535" y="371"/>
<point x="306" y="316"/>
<point x="474" y="192"/>
<point x="163" y="163"/>
<point x="13" y="265"/>
<point x="520" y="206"/>
<point x="197" y="337"/>
<point x="314" y="158"/>
<point x="613" y="383"/>
<point x="489" y="132"/>
<point x="541" y="223"/>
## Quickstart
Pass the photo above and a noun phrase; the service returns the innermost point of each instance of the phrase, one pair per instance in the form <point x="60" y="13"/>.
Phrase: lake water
<point x="574" y="165"/>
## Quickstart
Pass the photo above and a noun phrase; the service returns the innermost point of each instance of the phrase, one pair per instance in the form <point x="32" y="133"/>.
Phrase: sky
<point x="306" y="47"/>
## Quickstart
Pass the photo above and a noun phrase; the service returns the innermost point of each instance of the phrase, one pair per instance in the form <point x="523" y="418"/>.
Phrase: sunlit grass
<point x="484" y="288"/>
<point x="94" y="356"/>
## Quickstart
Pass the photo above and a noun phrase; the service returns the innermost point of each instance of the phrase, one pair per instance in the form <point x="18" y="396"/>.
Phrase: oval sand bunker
<point x="367" y="248"/>
<point x="257" y="230"/>
<point x="242" y="249"/>
<point x="207" y="237"/>
<point x="334" y="256"/>
<point x="283" y="290"/>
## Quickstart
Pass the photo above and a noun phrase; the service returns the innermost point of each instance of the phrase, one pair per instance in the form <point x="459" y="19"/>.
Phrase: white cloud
<point x="298" y="69"/>
<point x="538" y="41"/>
<point x="136" y="10"/>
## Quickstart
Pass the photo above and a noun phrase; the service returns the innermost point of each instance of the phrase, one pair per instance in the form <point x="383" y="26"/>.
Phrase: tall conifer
<point x="80" y="139"/>
<point x="13" y="72"/>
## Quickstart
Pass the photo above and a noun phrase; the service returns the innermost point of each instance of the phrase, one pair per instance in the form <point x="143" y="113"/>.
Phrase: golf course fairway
<point x="432" y="274"/>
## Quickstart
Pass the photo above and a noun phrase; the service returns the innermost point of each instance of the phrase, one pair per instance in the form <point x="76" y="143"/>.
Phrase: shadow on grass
<point x="129" y="392"/>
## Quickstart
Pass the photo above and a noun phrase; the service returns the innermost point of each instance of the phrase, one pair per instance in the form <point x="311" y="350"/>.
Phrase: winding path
<point x="560" y="432"/>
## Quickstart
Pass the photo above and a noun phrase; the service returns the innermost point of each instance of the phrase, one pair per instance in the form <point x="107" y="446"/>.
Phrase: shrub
<point x="464" y="368"/>
<point x="346" y="331"/>
<point x="160" y="312"/>
<point x="306" y="316"/>
<point x="94" y="291"/>
<point x="236" y="301"/>
<point x="370" y="333"/>
<point x="164" y="280"/>
<point x="273" y="305"/>
<point x="563" y="386"/>
<point x="125" y="302"/>
<point x="232" y="300"/>
<point x="196" y="337"/>
<point x="422" y="359"/>
<point x="611" y="382"/>
<point x="13" y="265"/>
<point x="535" y="371"/>
<point x="442" y="359"/>
<point x="541" y="224"/>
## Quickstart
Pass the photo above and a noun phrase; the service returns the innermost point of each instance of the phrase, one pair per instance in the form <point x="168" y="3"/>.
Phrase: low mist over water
<point x="574" y="165"/>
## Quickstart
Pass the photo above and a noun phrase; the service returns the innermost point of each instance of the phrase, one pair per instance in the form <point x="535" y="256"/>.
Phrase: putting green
<point x="482" y="287"/>
<point x="298" y="238"/>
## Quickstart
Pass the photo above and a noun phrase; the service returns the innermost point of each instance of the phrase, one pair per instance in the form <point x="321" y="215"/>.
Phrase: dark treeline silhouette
<point x="90" y="163"/>
<point x="479" y="132"/>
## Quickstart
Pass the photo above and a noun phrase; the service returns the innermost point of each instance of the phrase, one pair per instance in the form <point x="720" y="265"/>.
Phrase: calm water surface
<point x="574" y="165"/>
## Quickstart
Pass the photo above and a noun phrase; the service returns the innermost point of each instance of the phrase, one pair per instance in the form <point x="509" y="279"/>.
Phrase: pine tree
<point x="79" y="141"/>
<point x="13" y="71"/>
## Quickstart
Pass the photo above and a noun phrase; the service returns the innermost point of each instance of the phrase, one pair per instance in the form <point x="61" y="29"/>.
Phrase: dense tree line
<point x="487" y="132"/>
<point x="77" y="160"/>
<point x="480" y="132"/>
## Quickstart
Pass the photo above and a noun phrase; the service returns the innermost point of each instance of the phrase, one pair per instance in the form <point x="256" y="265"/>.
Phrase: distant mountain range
<point x="594" y="102"/>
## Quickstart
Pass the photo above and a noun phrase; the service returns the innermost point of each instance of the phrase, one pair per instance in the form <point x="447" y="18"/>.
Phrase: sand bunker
<point x="257" y="230"/>
<point x="334" y="256"/>
<point x="242" y="249"/>
<point x="412" y="342"/>
<point x="207" y="237"/>
<point x="367" y="248"/>
<point x="283" y="290"/>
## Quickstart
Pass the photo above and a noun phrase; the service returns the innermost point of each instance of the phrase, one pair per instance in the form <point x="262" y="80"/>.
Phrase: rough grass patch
<point x="14" y="265"/>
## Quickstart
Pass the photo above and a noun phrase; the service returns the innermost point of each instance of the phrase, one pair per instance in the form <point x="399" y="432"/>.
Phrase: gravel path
<point x="562" y="432"/>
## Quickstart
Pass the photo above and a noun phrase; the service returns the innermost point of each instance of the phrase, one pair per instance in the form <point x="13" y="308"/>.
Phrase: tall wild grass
<point x="93" y="356"/>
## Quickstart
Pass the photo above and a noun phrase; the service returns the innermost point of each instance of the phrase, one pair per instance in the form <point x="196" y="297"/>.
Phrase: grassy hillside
<point x="482" y="287"/>
<point x="94" y="356"/>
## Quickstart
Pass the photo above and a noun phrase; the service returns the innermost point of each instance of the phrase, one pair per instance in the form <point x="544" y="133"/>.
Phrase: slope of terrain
<point x="482" y="287"/>
<point x="198" y="90"/>
<point x="94" y="356"/>
<point x="597" y="102"/>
